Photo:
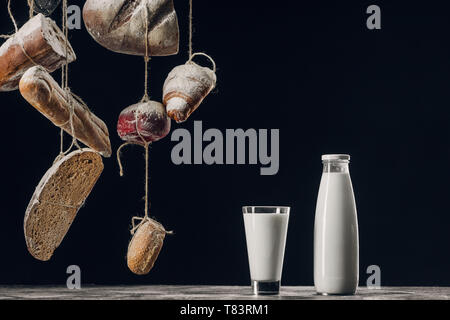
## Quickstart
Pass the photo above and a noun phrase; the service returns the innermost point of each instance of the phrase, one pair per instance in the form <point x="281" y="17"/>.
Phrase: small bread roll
<point x="145" y="246"/>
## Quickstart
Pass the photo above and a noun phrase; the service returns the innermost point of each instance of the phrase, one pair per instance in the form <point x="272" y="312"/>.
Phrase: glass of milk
<point x="265" y="232"/>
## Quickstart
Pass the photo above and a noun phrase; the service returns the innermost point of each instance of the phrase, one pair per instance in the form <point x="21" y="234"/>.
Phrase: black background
<point x="314" y="71"/>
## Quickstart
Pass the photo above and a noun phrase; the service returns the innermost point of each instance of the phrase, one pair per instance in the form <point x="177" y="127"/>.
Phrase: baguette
<point x="39" y="88"/>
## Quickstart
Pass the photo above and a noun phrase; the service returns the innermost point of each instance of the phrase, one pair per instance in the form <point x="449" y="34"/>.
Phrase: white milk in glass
<point x="336" y="262"/>
<point x="266" y="240"/>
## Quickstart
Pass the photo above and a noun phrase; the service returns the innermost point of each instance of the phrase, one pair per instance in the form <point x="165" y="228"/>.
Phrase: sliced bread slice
<point x="57" y="199"/>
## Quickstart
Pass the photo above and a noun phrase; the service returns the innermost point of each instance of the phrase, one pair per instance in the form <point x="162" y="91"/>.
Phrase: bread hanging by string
<point x="142" y="124"/>
<point x="144" y="121"/>
<point x="120" y="25"/>
<point x="145" y="246"/>
<point x="185" y="88"/>
<point x="57" y="199"/>
<point x="44" y="93"/>
<point x="38" y="42"/>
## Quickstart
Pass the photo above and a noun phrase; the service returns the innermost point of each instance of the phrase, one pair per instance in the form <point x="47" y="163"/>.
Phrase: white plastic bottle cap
<point x="331" y="157"/>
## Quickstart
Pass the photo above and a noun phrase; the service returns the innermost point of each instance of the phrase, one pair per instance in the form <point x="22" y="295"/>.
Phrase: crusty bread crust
<point x="143" y="121"/>
<point x="39" y="39"/>
<point x="121" y="25"/>
<point x="57" y="199"/>
<point x="145" y="246"/>
<point x="185" y="88"/>
<point x="39" y="88"/>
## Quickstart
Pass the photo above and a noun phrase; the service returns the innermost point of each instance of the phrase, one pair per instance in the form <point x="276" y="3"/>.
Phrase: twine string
<point x="146" y="197"/>
<point x="190" y="29"/>
<point x="31" y="8"/>
<point x="136" y="226"/>
<point x="205" y="55"/>
<point x="7" y="36"/>
<point x="146" y="97"/>
<point x="142" y="221"/>
<point x="16" y="29"/>
<point x="146" y="144"/>
<point x="64" y="72"/>
<point x="70" y="96"/>
<point x="191" y="54"/>
<point x="118" y="156"/>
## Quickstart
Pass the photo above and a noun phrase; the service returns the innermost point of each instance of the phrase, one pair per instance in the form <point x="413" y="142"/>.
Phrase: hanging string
<point x="63" y="80"/>
<point x="146" y="144"/>
<point x="118" y="157"/>
<point x="190" y="28"/>
<point x="68" y="93"/>
<point x="191" y="54"/>
<point x="146" y="182"/>
<point x="16" y="29"/>
<point x="146" y="97"/>
<point x="64" y="70"/>
<point x="31" y="6"/>
<point x="7" y="36"/>
<point x="146" y="147"/>
<point x="205" y="55"/>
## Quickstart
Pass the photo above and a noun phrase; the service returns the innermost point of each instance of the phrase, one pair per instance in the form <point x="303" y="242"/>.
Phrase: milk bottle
<point x="336" y="261"/>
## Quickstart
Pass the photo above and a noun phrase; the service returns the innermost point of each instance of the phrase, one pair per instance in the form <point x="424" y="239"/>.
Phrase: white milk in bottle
<point x="336" y="261"/>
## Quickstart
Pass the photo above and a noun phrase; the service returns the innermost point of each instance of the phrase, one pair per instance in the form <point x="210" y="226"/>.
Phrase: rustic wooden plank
<point x="152" y="292"/>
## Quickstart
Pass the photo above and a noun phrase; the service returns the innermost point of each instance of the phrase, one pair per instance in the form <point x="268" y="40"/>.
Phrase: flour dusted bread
<point x="145" y="246"/>
<point x="143" y="121"/>
<point x="121" y="25"/>
<point x="57" y="199"/>
<point x="185" y="88"/>
<point x="39" y="88"/>
<point x="39" y="39"/>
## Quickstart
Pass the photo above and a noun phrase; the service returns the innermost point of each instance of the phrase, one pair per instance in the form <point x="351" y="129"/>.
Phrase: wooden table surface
<point x="151" y="292"/>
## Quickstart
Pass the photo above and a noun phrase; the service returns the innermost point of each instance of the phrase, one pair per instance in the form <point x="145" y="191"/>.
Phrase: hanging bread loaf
<point x="145" y="246"/>
<point x="185" y="88"/>
<point x="39" y="41"/>
<point x="42" y="92"/>
<point x="121" y="25"/>
<point x="57" y="199"/>
<point x="144" y="120"/>
<point x="45" y="6"/>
